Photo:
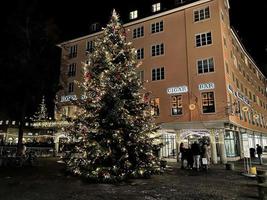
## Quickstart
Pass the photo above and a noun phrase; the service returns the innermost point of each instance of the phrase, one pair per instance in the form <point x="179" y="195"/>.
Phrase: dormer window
<point x="156" y="7"/>
<point x="133" y="14"/>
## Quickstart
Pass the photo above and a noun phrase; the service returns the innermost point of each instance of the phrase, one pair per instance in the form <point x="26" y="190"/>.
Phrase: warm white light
<point x="245" y="109"/>
<point x="192" y="107"/>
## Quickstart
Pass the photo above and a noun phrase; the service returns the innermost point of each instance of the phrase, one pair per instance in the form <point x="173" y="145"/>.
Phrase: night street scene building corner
<point x="198" y="76"/>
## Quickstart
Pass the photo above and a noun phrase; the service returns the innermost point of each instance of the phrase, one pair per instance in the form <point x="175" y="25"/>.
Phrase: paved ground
<point x="48" y="182"/>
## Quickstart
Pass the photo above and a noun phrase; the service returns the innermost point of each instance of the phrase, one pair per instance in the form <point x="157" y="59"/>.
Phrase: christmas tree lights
<point x="112" y="132"/>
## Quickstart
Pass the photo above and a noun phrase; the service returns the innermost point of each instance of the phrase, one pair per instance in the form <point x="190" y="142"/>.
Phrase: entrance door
<point x="168" y="149"/>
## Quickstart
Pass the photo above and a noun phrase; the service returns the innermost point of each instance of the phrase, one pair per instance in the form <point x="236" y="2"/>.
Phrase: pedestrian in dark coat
<point x="259" y="152"/>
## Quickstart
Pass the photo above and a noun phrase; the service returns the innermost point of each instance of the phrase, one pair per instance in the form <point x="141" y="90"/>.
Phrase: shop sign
<point x="242" y="98"/>
<point x="177" y="90"/>
<point x="206" y="86"/>
<point x="68" y="98"/>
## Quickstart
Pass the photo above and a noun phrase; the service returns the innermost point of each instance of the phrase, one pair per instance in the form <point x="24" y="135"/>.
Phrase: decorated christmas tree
<point x="113" y="130"/>
<point x="41" y="113"/>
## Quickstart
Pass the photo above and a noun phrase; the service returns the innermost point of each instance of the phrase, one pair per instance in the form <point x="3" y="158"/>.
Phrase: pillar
<point x="213" y="147"/>
<point x="222" y="152"/>
<point x="178" y="141"/>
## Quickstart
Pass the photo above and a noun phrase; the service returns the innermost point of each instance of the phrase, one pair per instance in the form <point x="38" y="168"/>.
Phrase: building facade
<point x="200" y="79"/>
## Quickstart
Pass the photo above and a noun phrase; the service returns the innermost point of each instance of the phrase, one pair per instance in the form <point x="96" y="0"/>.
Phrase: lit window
<point x="202" y="14"/>
<point x="205" y="66"/>
<point x="203" y="39"/>
<point x="157" y="27"/>
<point x="208" y="103"/>
<point x="157" y="50"/>
<point x="177" y="105"/>
<point x="156" y="7"/>
<point x="154" y="103"/>
<point x="71" y="87"/>
<point x="140" y="53"/>
<point x="72" y="70"/>
<point x="133" y="14"/>
<point x="138" y="32"/>
<point x="158" y="74"/>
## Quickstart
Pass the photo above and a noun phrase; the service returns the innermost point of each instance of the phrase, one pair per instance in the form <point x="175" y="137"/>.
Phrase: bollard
<point x="229" y="166"/>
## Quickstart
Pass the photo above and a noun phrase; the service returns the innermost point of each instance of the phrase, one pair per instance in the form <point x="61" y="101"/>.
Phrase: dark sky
<point x="72" y="19"/>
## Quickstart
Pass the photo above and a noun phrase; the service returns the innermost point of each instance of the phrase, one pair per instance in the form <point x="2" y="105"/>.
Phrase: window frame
<point x="214" y="99"/>
<point x="203" y="69"/>
<point x="201" y="38"/>
<point x="156" y="74"/>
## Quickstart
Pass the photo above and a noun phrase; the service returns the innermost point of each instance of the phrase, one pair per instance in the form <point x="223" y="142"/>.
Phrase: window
<point x="237" y="83"/>
<point x="71" y="87"/>
<point x="227" y="68"/>
<point x="156" y="7"/>
<point x="133" y="14"/>
<point x="140" y="53"/>
<point x="157" y="27"/>
<point x="141" y="76"/>
<point x="138" y="32"/>
<point x="154" y="103"/>
<point x="222" y="16"/>
<point x="158" y="74"/>
<point x="157" y="49"/>
<point x="224" y="42"/>
<point x="202" y="14"/>
<point x="177" y="105"/>
<point x="208" y="103"/>
<point x="254" y="98"/>
<point x="89" y="46"/>
<point x="73" y="51"/>
<point x="205" y="66"/>
<point x="203" y="39"/>
<point x="250" y="95"/>
<point x="72" y="70"/>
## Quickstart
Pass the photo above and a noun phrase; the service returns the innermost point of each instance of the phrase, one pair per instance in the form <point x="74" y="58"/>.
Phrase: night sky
<point x="72" y="19"/>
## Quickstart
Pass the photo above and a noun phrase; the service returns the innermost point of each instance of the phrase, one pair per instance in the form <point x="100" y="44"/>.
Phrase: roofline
<point x="140" y="20"/>
<point x="245" y="51"/>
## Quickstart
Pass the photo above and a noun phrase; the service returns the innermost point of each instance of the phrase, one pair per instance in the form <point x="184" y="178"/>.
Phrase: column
<point x="213" y="147"/>
<point x="178" y="141"/>
<point x="222" y="152"/>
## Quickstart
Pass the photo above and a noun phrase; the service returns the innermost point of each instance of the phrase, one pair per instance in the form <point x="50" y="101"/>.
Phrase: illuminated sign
<point x="206" y="86"/>
<point x="242" y="98"/>
<point x="68" y="98"/>
<point x="177" y="90"/>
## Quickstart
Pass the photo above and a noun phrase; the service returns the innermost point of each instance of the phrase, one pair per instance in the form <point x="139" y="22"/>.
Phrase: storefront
<point x="231" y="141"/>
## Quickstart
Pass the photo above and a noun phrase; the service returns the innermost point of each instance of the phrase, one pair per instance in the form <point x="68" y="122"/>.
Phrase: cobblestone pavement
<point x="48" y="182"/>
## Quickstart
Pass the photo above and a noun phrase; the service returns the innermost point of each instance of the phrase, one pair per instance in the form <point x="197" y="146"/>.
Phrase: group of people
<point x="196" y="156"/>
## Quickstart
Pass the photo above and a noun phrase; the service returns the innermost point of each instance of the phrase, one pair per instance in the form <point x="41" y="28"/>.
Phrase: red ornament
<point x="87" y="76"/>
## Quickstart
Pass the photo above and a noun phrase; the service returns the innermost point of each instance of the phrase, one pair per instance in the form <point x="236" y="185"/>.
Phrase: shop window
<point x="177" y="105"/>
<point x="208" y="102"/>
<point x="231" y="143"/>
<point x="154" y="103"/>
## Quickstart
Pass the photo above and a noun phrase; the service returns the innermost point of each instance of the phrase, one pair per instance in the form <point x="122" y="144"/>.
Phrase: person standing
<point x="183" y="156"/>
<point x="259" y="152"/>
<point x="196" y="154"/>
<point x="206" y="155"/>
